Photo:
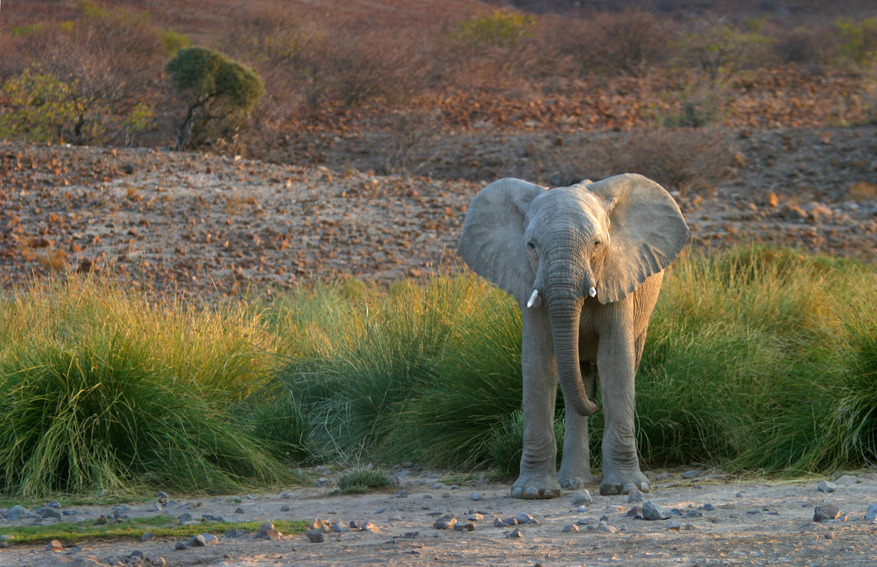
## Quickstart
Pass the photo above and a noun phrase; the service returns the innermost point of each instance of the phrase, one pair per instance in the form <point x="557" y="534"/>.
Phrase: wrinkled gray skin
<point x="615" y="236"/>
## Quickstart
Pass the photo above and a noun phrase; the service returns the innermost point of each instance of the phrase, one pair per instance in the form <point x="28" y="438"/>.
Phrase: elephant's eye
<point x="531" y="245"/>
<point x="598" y="243"/>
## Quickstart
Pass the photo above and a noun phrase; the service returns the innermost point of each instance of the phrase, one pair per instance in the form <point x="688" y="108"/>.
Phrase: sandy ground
<point x="751" y="523"/>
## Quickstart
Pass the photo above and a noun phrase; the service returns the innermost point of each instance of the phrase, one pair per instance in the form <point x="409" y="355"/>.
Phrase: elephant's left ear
<point x="646" y="233"/>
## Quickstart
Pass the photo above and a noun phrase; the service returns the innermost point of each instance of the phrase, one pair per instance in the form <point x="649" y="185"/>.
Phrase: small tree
<point x="217" y="90"/>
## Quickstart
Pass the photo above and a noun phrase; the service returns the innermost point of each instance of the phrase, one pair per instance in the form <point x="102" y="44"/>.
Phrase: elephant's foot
<point x="573" y="481"/>
<point x="531" y="487"/>
<point x="623" y="482"/>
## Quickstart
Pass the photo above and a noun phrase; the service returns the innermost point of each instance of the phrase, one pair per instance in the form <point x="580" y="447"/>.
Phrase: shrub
<point x="175" y="41"/>
<point x="722" y="50"/>
<point x="39" y="107"/>
<point x="858" y="39"/>
<point x="215" y="88"/>
<point x="499" y="28"/>
<point x="632" y="42"/>
<point x="358" y="480"/>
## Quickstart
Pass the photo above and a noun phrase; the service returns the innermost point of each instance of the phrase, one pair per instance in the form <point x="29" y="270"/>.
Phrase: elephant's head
<point x="589" y="242"/>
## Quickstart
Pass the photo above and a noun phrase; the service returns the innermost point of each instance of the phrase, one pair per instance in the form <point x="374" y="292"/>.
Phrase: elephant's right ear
<point x="492" y="240"/>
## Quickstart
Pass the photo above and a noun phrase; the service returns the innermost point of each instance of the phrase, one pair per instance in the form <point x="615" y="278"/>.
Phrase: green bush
<point x="858" y="39"/>
<point x="39" y="107"/>
<point x="215" y="88"/>
<point x="500" y="28"/>
<point x="359" y="480"/>
<point x="175" y="41"/>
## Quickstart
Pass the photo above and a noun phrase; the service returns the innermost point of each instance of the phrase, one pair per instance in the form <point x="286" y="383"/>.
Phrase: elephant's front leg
<point x="616" y="363"/>
<point x="575" y="469"/>
<point x="538" y="477"/>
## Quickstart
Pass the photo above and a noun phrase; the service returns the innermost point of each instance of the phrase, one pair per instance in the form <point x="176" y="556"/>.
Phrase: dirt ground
<point x="207" y="224"/>
<point x="748" y="523"/>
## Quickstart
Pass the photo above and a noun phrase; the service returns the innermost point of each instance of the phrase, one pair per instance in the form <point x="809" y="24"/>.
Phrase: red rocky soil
<point x="205" y="223"/>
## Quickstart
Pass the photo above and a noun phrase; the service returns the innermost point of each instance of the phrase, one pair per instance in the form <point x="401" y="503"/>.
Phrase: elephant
<point x="585" y="264"/>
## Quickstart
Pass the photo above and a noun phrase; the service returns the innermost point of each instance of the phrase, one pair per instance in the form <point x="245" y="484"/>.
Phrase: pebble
<point x="708" y="507"/>
<point x="464" y="526"/>
<point x="581" y="497"/>
<point x="320" y="525"/>
<point x="654" y="512"/>
<point x="570" y="528"/>
<point x="846" y="480"/>
<point x="674" y="525"/>
<point x="315" y="536"/>
<point x="635" y="496"/>
<point x="339" y="527"/>
<point x="871" y="514"/>
<point x="475" y="496"/>
<point x="203" y="540"/>
<point x="497" y="523"/>
<point x="691" y="474"/>
<point x="825" y="486"/>
<point x="284" y="508"/>
<point x="233" y="533"/>
<point x="516" y="534"/>
<point x="16" y="513"/>
<point x="323" y="482"/>
<point x="54" y="545"/>
<point x="402" y="494"/>
<point x="445" y="523"/>
<point x="604" y="527"/>
<point x="154" y="506"/>
<point x="286" y="495"/>
<point x="475" y="517"/>
<point x="148" y="536"/>
<point x="826" y="512"/>
<point x="523" y="518"/>
<point x="238" y="510"/>
<point x="47" y="512"/>
<point x="267" y="531"/>
<point x="180" y="546"/>
<point x="635" y="512"/>
<point x="162" y="497"/>
<point x="4" y="544"/>
<point x="186" y="518"/>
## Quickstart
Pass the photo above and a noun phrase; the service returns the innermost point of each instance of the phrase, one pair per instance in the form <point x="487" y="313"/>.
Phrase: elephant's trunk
<point x="565" y="314"/>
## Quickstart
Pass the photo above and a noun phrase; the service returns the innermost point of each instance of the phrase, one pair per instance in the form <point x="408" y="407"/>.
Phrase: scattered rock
<point x="581" y="497"/>
<point x="464" y="527"/>
<point x="54" y="545"/>
<point x="47" y="512"/>
<point x="233" y="533"/>
<point x="826" y="512"/>
<point x="284" y="508"/>
<point x="17" y="512"/>
<point x="238" y="510"/>
<point x="523" y="518"/>
<point x="635" y="512"/>
<point x="498" y="523"/>
<point x="203" y="540"/>
<point x="445" y="523"/>
<point x="267" y="531"/>
<point x="154" y="506"/>
<point x="691" y="474"/>
<point x="148" y="536"/>
<point x="315" y="536"/>
<point x="570" y="528"/>
<point x="402" y="494"/>
<point x="162" y="497"/>
<point x="604" y="527"/>
<point x="825" y="486"/>
<point x="674" y="525"/>
<point x="654" y="512"/>
<point x="323" y="482"/>
<point x="846" y="480"/>
<point x="516" y="534"/>
<point x="186" y="518"/>
<point x="871" y="514"/>
<point x="339" y="527"/>
<point x="708" y="507"/>
<point x="180" y="546"/>
<point x="635" y="496"/>
<point x="475" y="496"/>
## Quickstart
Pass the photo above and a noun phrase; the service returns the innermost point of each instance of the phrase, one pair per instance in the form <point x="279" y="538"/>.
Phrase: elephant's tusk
<point x="534" y="299"/>
<point x="592" y="292"/>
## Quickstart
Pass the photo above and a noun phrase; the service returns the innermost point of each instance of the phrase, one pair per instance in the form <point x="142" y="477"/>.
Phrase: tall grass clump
<point x="104" y="389"/>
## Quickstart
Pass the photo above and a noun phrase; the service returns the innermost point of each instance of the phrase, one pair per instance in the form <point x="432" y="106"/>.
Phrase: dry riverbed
<point x="715" y="519"/>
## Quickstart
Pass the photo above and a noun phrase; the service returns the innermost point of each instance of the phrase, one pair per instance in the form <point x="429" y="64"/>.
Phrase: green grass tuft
<point x="359" y="480"/>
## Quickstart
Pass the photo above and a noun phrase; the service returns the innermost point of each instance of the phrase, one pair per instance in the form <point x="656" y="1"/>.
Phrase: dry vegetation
<point x="400" y="74"/>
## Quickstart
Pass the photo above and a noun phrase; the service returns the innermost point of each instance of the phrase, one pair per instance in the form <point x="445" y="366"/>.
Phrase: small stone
<point x="238" y="510"/>
<point x="339" y="527"/>
<point x="402" y="494"/>
<point x="286" y="495"/>
<point x="475" y="496"/>
<point x="323" y="482"/>
<point x="516" y="534"/>
<point x="635" y="512"/>
<point x="411" y="535"/>
<point x="4" y="544"/>
<point x="474" y="517"/>
<point x="497" y="523"/>
<point x="739" y="495"/>
<point x="464" y="527"/>
<point x="693" y="514"/>
<point x="654" y="512"/>
<point x="395" y="518"/>
<point x="635" y="496"/>
<point x="825" y="486"/>
<point x="581" y="497"/>
<point x="267" y="531"/>
<point x="180" y="546"/>
<point x="369" y="527"/>
<point x="444" y="523"/>
<point x="604" y="527"/>
<point x="690" y="474"/>
<point x="315" y="536"/>
<point x="148" y="536"/>
<point x="162" y="497"/>
<point x="233" y="533"/>
<point x="284" y="508"/>
<point x="523" y="518"/>
<point x="320" y="525"/>
<point x="186" y="518"/>
<point x="570" y="528"/>
<point x="826" y="512"/>
<point x="511" y="521"/>
<point x="54" y="545"/>
<point x="708" y="507"/>
<point x="871" y="514"/>
<point x="47" y="512"/>
<point x="16" y="513"/>
<point x="203" y="540"/>
<point x="674" y="525"/>
<point x="154" y="506"/>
